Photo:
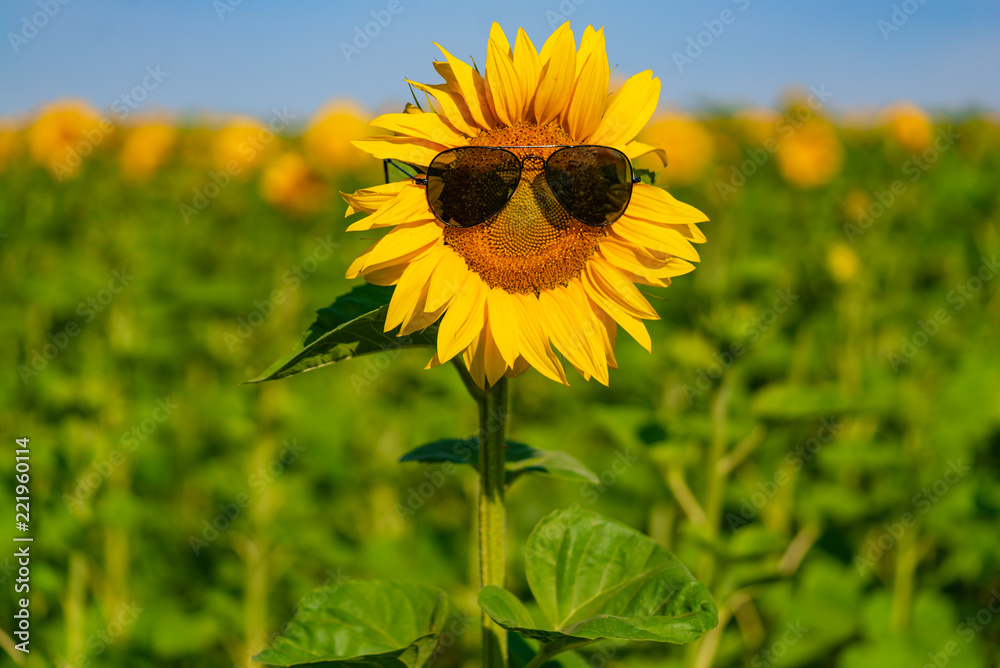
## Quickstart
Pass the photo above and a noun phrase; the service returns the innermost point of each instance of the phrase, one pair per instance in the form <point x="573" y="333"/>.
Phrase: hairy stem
<point x="492" y="521"/>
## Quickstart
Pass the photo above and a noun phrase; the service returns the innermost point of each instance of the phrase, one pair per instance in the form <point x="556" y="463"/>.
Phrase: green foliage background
<point x="810" y="551"/>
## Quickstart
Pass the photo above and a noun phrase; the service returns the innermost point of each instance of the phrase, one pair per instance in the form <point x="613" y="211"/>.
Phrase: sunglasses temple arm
<point x="389" y="161"/>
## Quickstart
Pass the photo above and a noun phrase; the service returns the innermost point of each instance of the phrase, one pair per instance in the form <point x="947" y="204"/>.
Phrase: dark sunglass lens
<point x="593" y="183"/>
<point x="465" y="186"/>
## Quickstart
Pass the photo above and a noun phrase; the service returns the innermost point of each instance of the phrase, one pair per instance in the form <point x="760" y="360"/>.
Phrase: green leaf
<point x="363" y="624"/>
<point x="454" y="450"/>
<point x="521" y="459"/>
<point x="592" y="578"/>
<point x="351" y="326"/>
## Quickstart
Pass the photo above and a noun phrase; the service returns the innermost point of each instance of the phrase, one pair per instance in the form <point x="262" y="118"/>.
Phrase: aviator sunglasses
<point x="466" y="186"/>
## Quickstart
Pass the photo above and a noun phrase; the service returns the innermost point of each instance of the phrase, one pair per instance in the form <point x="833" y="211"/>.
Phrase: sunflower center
<point x="531" y="244"/>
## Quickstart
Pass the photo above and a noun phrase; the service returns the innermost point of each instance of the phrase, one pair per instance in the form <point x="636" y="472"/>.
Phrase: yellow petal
<point x="610" y="335"/>
<point x="628" y="111"/>
<point x="653" y="227"/>
<point x="564" y="328"/>
<point x="405" y="149"/>
<point x="503" y="323"/>
<point x="629" y="259"/>
<point x="493" y="362"/>
<point x="533" y="342"/>
<point x="599" y="328"/>
<point x="635" y="149"/>
<point x="463" y="320"/>
<point x="520" y="366"/>
<point x="628" y="322"/>
<point x="503" y="88"/>
<point x="408" y="295"/>
<point x="606" y="279"/>
<point x="588" y="328"/>
<point x="473" y="356"/>
<point x="443" y="67"/>
<point x="643" y="233"/>
<point x="555" y="81"/>
<point x="420" y="319"/>
<point x="453" y="107"/>
<point x="361" y="265"/>
<point x="528" y="67"/>
<point x="448" y="277"/>
<point x="656" y="204"/>
<point x="424" y="315"/>
<point x="560" y="330"/>
<point x="586" y="48"/>
<point x="410" y="206"/>
<point x="465" y="80"/>
<point x="388" y="276"/>
<point x="590" y="92"/>
<point x="401" y="241"/>
<point x="422" y="126"/>
<point x="689" y="231"/>
<point x="370" y="200"/>
<point x="434" y="361"/>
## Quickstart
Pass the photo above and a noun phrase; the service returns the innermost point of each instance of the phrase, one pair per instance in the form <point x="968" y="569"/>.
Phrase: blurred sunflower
<point x="910" y="127"/>
<point x="328" y="138"/>
<point x="530" y="276"/>
<point x="289" y="183"/>
<point x="688" y="145"/>
<point x="63" y="134"/>
<point x="811" y="155"/>
<point x="241" y="145"/>
<point x="843" y="263"/>
<point x="145" y="149"/>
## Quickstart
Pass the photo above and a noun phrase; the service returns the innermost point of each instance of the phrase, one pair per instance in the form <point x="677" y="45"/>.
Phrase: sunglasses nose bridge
<point x="538" y="162"/>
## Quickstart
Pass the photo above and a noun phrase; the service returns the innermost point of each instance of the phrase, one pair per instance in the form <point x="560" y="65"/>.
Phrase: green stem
<point x="492" y="521"/>
<point x="540" y="658"/>
<point x="552" y="649"/>
<point x="907" y="558"/>
<point x="701" y="653"/>
<point x="715" y="493"/>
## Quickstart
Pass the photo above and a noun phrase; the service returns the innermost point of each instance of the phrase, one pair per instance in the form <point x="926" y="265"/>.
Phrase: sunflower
<point x="811" y="156"/>
<point x="910" y="127"/>
<point x="691" y="147"/>
<point x="241" y="145"/>
<point x="146" y="148"/>
<point x="290" y="183"/>
<point x="530" y="278"/>
<point x="327" y="140"/>
<point x="64" y="133"/>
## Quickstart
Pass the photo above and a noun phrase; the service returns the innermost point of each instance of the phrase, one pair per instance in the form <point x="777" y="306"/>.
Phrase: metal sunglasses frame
<point x="423" y="180"/>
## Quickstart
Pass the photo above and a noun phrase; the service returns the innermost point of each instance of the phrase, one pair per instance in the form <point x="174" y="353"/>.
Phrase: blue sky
<point x="249" y="56"/>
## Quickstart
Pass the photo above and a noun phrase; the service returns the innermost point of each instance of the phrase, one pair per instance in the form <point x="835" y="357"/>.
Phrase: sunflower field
<point x="816" y="433"/>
